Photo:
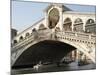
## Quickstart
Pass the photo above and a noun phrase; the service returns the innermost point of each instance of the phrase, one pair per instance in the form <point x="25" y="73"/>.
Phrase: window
<point x="53" y="18"/>
<point x="15" y="41"/>
<point x="67" y="24"/>
<point x="90" y="21"/>
<point x="27" y="34"/>
<point x="21" y="38"/>
<point x="78" y="25"/>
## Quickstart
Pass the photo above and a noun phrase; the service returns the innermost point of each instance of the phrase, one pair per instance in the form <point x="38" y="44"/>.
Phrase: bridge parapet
<point x="76" y="36"/>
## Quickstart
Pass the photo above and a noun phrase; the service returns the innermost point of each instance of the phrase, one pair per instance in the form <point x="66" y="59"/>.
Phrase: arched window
<point x="27" y="34"/>
<point x="78" y="21"/>
<point x="33" y="30"/>
<point x="15" y="41"/>
<point x="67" y="26"/>
<point x="78" y="25"/>
<point x="90" y="26"/>
<point x="89" y="21"/>
<point x="53" y="18"/>
<point x="21" y="38"/>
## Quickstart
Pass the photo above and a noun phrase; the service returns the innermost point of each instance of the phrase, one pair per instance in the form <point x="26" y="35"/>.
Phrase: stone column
<point x="77" y="56"/>
<point x="60" y="19"/>
<point x="73" y="56"/>
<point x="84" y="24"/>
<point x="46" y="19"/>
<point x="72" y="25"/>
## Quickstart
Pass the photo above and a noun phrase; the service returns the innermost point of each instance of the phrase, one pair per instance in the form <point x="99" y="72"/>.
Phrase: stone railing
<point x="77" y="36"/>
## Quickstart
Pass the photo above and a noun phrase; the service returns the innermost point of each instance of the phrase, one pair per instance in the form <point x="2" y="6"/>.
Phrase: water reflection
<point x="53" y="68"/>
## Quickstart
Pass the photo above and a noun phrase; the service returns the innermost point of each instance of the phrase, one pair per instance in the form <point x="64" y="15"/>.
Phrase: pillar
<point x="46" y="19"/>
<point x="60" y="19"/>
<point x="84" y="22"/>
<point x="73" y="55"/>
<point x="72" y="25"/>
<point x="76" y="56"/>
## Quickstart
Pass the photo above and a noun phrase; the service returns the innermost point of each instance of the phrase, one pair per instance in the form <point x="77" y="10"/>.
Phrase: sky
<point x="26" y="13"/>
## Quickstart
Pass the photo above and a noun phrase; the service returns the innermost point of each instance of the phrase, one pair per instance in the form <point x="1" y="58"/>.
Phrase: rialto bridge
<point x="60" y="25"/>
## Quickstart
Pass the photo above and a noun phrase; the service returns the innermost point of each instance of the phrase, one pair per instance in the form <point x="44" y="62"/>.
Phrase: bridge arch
<point x="78" y="25"/>
<point x="46" y="50"/>
<point x="74" y="46"/>
<point x="67" y="26"/>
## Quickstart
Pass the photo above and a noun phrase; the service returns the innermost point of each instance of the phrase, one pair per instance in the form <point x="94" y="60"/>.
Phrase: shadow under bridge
<point x="44" y="51"/>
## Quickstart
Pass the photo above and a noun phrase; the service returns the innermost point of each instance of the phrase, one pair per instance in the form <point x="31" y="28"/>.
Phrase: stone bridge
<point x="83" y="42"/>
<point x="62" y="24"/>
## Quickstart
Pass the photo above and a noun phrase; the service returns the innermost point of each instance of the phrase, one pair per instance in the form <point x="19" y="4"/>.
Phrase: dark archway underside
<point x="45" y="51"/>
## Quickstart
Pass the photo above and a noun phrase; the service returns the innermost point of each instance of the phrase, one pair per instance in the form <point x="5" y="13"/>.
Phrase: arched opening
<point x="42" y="27"/>
<point x="49" y="51"/>
<point x="35" y="33"/>
<point x="44" y="51"/>
<point x="27" y="34"/>
<point x="67" y="26"/>
<point x="53" y="18"/>
<point x="78" y="25"/>
<point x="21" y="38"/>
<point x="33" y="30"/>
<point x="90" y="26"/>
<point x="15" y="41"/>
<point x="90" y="21"/>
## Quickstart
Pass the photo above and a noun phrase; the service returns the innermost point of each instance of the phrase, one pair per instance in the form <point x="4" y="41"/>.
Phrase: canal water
<point x="53" y="68"/>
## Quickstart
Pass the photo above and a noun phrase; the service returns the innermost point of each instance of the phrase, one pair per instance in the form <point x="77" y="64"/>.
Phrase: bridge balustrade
<point x="78" y="36"/>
